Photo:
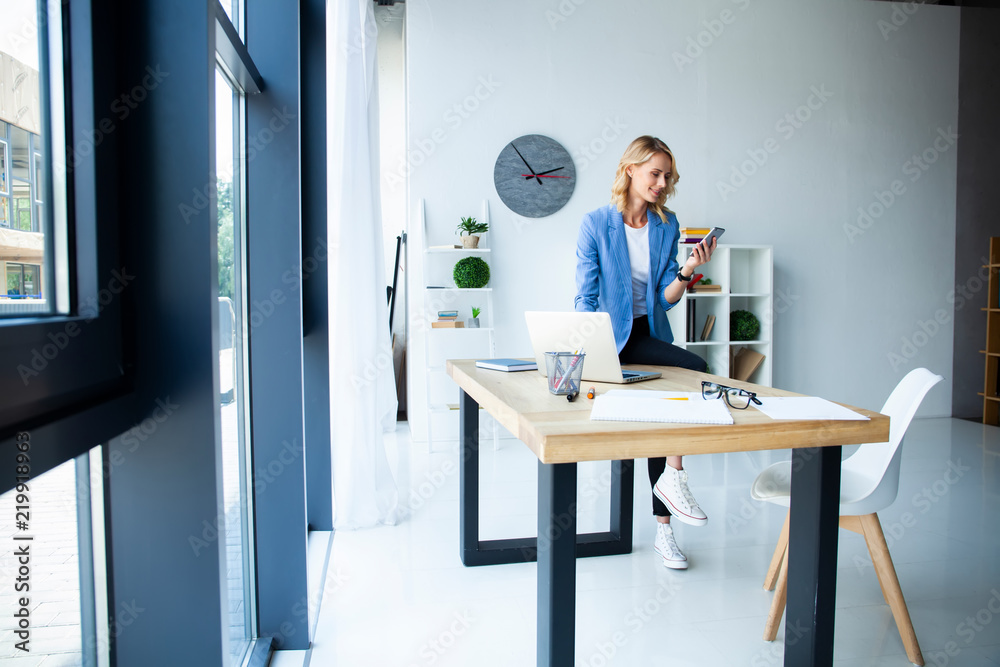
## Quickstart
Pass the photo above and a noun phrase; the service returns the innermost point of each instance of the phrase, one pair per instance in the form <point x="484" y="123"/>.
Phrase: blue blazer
<point x="604" y="273"/>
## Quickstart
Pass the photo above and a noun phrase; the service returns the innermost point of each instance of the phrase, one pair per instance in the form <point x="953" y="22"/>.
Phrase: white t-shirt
<point x="638" y="255"/>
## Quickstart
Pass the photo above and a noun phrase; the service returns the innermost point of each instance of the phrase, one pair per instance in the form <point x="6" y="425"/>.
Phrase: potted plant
<point x="471" y="273"/>
<point x="743" y="325"/>
<point x="473" y="322"/>
<point x="469" y="230"/>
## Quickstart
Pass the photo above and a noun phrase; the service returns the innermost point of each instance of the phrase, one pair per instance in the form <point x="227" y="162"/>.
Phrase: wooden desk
<point x="561" y="434"/>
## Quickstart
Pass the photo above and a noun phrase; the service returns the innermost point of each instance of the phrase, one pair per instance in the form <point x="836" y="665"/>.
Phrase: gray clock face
<point x="534" y="176"/>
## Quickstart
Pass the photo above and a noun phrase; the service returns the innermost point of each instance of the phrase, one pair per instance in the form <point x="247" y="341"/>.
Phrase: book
<point x="709" y="323"/>
<point x="700" y="287"/>
<point x="507" y="365"/>
<point x="745" y="363"/>
<point x="690" y="320"/>
<point x="447" y="324"/>
<point x="447" y="314"/>
<point x="450" y="246"/>
<point x="635" y="407"/>
<point x="690" y="240"/>
<point x="701" y="231"/>
<point x="695" y="277"/>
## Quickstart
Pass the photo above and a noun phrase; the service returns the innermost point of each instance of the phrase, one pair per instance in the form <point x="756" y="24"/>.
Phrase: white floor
<point x="399" y="596"/>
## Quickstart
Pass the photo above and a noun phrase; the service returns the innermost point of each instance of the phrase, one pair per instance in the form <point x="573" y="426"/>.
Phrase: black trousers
<point x="641" y="348"/>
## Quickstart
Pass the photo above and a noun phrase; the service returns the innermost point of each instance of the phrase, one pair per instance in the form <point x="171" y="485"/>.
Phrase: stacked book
<point x="693" y="234"/>
<point x="447" y="319"/>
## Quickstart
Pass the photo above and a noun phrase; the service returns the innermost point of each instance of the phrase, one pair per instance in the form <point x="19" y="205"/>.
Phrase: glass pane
<point x="31" y="82"/>
<point x="234" y="10"/>
<point x="232" y="365"/>
<point x="44" y="520"/>
<point x="14" y="280"/>
<point x="4" y="167"/>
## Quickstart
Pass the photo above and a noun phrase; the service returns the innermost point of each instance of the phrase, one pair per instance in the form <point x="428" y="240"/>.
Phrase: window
<point x="232" y="363"/>
<point x="23" y="281"/>
<point x="31" y="97"/>
<point x="62" y="513"/>
<point x="62" y="337"/>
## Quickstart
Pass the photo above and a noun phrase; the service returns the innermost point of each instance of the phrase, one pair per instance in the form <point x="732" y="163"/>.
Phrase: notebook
<point x="508" y="365"/>
<point x="659" y="406"/>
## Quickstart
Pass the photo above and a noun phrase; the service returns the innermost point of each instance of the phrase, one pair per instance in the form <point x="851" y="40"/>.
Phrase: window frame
<point x="55" y="367"/>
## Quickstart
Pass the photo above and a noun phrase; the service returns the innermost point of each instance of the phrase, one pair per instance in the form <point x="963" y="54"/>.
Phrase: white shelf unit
<point x="440" y="293"/>
<point x="746" y="274"/>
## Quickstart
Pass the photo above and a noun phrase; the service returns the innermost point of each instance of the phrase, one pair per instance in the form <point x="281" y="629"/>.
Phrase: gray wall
<point x="718" y="81"/>
<point x="978" y="200"/>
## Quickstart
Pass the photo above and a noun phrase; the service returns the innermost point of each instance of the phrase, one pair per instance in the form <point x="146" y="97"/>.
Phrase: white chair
<point x="869" y="483"/>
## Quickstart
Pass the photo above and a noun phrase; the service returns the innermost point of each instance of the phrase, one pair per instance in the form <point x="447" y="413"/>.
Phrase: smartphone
<point x="714" y="234"/>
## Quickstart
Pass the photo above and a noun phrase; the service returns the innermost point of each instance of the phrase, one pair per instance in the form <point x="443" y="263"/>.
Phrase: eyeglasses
<point x="738" y="399"/>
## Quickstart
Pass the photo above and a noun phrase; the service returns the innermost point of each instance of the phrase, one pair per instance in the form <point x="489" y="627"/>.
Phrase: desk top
<point x="559" y="431"/>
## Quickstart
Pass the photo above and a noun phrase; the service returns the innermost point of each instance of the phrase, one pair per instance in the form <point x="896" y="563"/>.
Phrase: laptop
<point x="590" y="332"/>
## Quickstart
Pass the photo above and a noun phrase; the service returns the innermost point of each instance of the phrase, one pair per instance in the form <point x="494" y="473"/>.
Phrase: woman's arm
<point x="588" y="268"/>
<point x="699" y="255"/>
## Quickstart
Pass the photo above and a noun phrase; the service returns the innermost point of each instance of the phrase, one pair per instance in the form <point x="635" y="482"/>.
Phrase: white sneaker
<point x="672" y="489"/>
<point x="666" y="546"/>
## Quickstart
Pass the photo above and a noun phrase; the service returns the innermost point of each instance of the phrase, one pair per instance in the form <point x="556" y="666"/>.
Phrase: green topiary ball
<point x="743" y="325"/>
<point x="471" y="272"/>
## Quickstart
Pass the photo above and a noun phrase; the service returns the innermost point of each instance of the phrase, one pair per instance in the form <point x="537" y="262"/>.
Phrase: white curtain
<point x="362" y="388"/>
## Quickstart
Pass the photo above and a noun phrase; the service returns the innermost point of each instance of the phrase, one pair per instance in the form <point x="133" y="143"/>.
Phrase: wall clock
<point x="534" y="176"/>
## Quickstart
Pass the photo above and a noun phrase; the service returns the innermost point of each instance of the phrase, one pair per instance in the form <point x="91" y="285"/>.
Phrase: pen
<point x="591" y="393"/>
<point x="569" y="371"/>
<point x="678" y="398"/>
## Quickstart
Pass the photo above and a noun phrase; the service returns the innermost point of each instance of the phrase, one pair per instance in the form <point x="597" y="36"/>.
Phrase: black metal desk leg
<point x="556" y="564"/>
<point x="812" y="557"/>
<point x="468" y="478"/>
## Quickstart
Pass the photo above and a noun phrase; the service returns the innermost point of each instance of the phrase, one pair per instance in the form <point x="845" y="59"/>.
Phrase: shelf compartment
<point x="760" y="306"/>
<point x="763" y="373"/>
<point x="750" y="270"/>
<point x="702" y="309"/>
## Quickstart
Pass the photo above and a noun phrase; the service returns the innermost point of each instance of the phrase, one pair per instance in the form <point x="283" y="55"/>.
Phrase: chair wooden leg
<point x="852" y="523"/>
<point x="777" y="558"/>
<point x="879" y="550"/>
<point x="778" y="602"/>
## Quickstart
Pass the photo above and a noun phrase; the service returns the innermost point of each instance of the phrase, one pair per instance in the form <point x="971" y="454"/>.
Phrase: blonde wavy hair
<point x="639" y="152"/>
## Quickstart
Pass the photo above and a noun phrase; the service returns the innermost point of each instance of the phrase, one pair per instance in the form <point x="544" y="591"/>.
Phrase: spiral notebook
<point x="659" y="406"/>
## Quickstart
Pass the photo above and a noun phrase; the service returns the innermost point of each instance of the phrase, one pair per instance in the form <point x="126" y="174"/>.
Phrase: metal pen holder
<point x="565" y="372"/>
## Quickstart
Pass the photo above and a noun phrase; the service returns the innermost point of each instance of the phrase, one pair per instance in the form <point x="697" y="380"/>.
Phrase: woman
<point x="627" y="267"/>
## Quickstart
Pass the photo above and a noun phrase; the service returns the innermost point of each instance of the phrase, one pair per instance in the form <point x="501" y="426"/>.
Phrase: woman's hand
<point x="700" y="254"/>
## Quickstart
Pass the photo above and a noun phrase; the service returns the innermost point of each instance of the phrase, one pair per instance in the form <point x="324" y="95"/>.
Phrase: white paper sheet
<point x="805" y="407"/>
<point x="652" y="406"/>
